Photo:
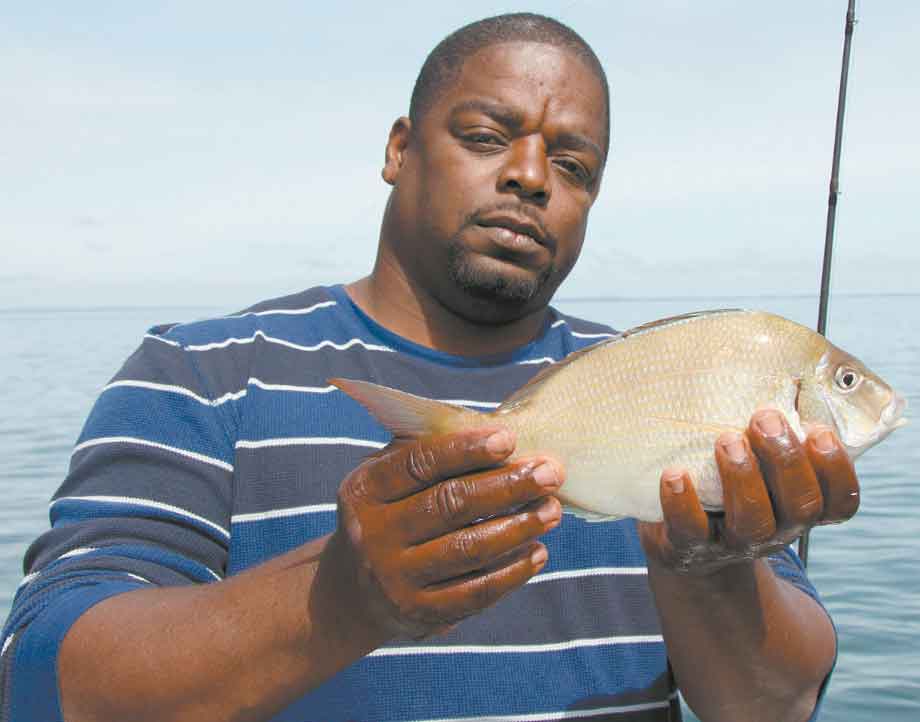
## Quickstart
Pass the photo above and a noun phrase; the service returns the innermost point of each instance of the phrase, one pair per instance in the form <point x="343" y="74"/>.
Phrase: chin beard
<point x="488" y="285"/>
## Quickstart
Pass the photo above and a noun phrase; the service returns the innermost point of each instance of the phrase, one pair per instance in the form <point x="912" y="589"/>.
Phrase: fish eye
<point x="847" y="378"/>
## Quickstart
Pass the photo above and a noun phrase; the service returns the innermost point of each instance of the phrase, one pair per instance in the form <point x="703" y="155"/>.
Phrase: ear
<point x="396" y="149"/>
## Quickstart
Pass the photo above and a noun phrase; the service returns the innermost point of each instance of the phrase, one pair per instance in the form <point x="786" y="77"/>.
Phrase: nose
<point x="525" y="171"/>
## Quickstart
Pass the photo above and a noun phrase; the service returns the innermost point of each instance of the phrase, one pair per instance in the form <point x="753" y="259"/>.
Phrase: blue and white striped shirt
<point x="221" y="444"/>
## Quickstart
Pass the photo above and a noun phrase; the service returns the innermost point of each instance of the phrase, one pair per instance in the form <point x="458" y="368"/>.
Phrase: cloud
<point x="242" y="148"/>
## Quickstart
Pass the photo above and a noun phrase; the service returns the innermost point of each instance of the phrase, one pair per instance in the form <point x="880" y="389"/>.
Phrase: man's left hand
<point x="774" y="487"/>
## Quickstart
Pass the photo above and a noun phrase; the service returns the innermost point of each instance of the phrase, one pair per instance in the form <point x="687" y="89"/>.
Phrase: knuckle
<point x="807" y="509"/>
<point x="422" y="464"/>
<point x="450" y="500"/>
<point x="362" y="483"/>
<point x="466" y="545"/>
<point x="356" y="486"/>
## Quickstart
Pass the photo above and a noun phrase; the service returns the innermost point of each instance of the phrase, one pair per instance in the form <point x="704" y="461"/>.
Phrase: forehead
<point x="538" y="80"/>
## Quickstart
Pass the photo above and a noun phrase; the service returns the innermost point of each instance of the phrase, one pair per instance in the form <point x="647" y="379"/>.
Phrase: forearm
<point x="744" y="644"/>
<point x="241" y="649"/>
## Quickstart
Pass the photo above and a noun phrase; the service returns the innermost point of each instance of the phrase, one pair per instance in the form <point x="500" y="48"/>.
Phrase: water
<point x="55" y="362"/>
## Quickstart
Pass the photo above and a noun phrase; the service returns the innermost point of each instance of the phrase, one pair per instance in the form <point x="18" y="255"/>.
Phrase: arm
<point x="407" y="559"/>
<point x="746" y="644"/>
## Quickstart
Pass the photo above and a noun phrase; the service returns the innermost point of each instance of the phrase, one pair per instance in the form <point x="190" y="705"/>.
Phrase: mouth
<point x="891" y="418"/>
<point x="893" y="414"/>
<point x="515" y="232"/>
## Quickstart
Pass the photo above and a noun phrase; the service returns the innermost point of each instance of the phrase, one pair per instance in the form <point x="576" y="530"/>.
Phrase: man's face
<point x="492" y="190"/>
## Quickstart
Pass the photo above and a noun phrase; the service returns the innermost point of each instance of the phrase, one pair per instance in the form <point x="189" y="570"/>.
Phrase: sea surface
<point x="54" y="362"/>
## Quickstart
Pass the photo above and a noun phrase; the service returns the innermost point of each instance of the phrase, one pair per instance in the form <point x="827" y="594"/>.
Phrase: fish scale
<point x="656" y="399"/>
<point x="617" y="413"/>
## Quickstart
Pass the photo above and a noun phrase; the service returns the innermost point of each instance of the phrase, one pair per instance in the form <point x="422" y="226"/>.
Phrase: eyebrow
<point x="515" y="119"/>
<point x="576" y="141"/>
<point x="502" y="113"/>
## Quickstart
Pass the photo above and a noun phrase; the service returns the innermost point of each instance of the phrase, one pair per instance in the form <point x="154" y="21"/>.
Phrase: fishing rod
<point x="832" y="201"/>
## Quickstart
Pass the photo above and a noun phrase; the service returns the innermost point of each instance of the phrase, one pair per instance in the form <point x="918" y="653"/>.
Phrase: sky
<point x="219" y="153"/>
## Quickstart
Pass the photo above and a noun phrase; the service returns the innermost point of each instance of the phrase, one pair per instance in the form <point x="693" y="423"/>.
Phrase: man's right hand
<point x="437" y="529"/>
<point x="429" y="532"/>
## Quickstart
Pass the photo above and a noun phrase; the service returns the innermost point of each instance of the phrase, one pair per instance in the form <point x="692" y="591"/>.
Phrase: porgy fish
<point x="621" y="410"/>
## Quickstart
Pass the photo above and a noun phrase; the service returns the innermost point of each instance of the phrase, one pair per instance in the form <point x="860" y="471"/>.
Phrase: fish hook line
<point x="832" y="199"/>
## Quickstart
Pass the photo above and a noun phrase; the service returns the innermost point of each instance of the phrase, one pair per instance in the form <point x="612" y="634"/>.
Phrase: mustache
<point x="516" y="209"/>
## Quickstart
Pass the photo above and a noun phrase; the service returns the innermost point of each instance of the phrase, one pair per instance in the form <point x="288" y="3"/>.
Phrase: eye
<point x="574" y="169"/>
<point x="482" y="139"/>
<point x="847" y="378"/>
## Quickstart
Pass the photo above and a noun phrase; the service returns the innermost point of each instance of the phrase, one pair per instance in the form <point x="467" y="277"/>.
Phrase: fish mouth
<point x="893" y="414"/>
<point x="891" y="418"/>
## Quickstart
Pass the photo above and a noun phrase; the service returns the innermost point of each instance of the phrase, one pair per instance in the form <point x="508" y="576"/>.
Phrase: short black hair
<point x="443" y="64"/>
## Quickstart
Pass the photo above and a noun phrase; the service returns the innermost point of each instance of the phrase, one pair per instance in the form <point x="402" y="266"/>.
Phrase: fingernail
<point x="674" y="480"/>
<point x="539" y="557"/>
<point x="500" y="442"/>
<point x="734" y="448"/>
<point x="770" y="423"/>
<point x="824" y="441"/>
<point x="548" y="512"/>
<point x="545" y="475"/>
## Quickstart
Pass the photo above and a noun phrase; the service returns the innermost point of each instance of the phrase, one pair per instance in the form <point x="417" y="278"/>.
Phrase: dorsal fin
<point x="661" y="322"/>
<point x="527" y="391"/>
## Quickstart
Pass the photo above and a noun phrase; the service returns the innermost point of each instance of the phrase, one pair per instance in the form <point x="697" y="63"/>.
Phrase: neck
<point x="390" y="298"/>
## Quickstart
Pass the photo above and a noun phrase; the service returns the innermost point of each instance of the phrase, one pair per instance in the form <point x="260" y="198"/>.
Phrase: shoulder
<point x="217" y="356"/>
<point x="278" y="316"/>
<point x="318" y="296"/>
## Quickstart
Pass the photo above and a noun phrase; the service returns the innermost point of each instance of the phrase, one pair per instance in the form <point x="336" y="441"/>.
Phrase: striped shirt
<point x="221" y="444"/>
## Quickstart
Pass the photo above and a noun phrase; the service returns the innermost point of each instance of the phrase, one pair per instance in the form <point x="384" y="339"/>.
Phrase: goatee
<point x="488" y="284"/>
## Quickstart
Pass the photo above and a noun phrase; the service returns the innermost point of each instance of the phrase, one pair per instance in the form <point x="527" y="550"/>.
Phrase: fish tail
<point x="406" y="415"/>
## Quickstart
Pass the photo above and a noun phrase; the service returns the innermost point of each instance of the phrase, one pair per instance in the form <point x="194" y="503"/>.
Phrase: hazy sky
<point x="222" y="152"/>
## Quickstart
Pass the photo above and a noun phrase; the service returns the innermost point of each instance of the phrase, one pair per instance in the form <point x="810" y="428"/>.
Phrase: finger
<point x="749" y="519"/>
<point x="836" y="476"/>
<point x="458" y="502"/>
<point x="427" y="461"/>
<point x="479" y="546"/>
<point x="787" y="471"/>
<point x="460" y="598"/>
<point x="685" y="525"/>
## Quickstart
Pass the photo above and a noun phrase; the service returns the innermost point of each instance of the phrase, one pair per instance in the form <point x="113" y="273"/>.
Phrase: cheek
<point x="572" y="224"/>
<point x="451" y="189"/>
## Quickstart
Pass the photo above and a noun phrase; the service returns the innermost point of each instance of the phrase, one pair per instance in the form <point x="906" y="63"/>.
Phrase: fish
<point x="618" y="412"/>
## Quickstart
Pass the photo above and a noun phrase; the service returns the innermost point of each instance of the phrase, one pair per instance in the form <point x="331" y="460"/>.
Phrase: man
<point x="412" y="585"/>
